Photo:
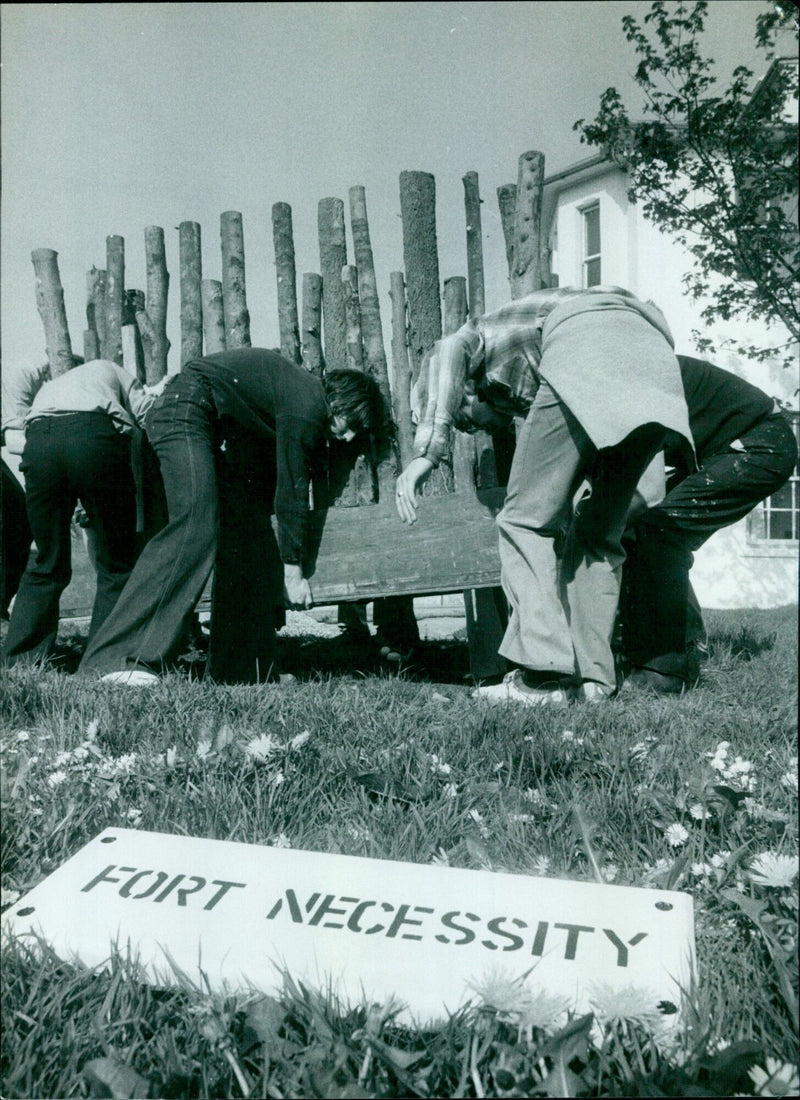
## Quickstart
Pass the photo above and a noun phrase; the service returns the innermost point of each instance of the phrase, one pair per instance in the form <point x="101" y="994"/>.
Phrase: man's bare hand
<point x="405" y="496"/>
<point x="296" y="589"/>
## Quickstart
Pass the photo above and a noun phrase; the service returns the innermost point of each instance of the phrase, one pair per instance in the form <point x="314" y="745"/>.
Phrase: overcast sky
<point x="119" y="116"/>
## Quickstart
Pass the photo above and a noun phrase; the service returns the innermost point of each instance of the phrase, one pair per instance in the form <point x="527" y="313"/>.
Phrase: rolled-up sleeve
<point x="454" y="359"/>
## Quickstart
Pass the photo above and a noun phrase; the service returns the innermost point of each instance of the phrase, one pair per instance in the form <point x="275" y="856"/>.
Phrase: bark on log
<point x="475" y="281"/>
<point x="286" y="274"/>
<point x="332" y="258"/>
<point x="371" y="327"/>
<point x="352" y="313"/>
<point x="191" y="266"/>
<point x="152" y="321"/>
<point x="213" y="316"/>
<point x="96" y="306"/>
<point x="115" y="298"/>
<point x="401" y="369"/>
<point x="464" y="452"/>
<point x="50" y="302"/>
<point x="418" y="210"/>
<point x="527" y="225"/>
<point x="91" y="346"/>
<point x="507" y="202"/>
<point x="132" y="348"/>
<point x="234" y="295"/>
<point x="311" y="342"/>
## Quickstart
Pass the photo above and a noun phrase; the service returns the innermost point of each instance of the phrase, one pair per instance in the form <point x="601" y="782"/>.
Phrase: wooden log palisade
<point x="360" y="550"/>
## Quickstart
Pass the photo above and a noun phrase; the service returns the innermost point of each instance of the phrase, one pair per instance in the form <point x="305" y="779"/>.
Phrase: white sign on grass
<point x="364" y="928"/>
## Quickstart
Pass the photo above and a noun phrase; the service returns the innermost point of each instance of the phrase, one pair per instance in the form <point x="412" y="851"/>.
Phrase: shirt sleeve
<point x="454" y="359"/>
<point x="136" y="400"/>
<point x="297" y="445"/>
<point x="19" y="389"/>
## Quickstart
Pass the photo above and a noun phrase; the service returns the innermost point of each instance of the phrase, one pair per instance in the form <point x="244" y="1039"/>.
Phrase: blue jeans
<point x="218" y="514"/>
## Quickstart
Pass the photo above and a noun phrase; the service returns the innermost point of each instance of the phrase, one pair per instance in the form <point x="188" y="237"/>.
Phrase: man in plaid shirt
<point x="597" y="369"/>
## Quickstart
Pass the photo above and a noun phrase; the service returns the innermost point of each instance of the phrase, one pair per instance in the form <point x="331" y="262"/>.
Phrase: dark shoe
<point x="657" y="681"/>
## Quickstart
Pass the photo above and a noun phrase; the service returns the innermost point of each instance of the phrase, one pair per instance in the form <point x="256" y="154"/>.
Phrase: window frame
<point x="590" y="257"/>
<point x="758" y="542"/>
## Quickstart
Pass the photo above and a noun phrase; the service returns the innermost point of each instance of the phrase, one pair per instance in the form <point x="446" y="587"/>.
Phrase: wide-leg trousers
<point x="218" y="503"/>
<point x="561" y="564"/>
<point x="69" y="457"/>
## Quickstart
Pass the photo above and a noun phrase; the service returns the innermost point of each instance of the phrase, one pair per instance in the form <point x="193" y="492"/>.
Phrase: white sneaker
<point x="592" y="692"/>
<point x="512" y="689"/>
<point x="131" y="677"/>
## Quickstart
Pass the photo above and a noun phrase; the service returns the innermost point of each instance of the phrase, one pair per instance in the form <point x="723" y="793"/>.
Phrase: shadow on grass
<point x="437" y="662"/>
<point x="744" y="644"/>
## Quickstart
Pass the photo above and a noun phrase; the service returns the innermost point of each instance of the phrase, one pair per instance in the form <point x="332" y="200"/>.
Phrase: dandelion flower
<point x="675" y="835"/>
<point x="55" y="779"/>
<point x="522" y="819"/>
<point x="23" y="735"/>
<point x="441" y="858"/>
<point x="62" y="759"/>
<point x="541" y="865"/>
<point x="774" y="870"/>
<point x="568" y="735"/>
<point x="300" y="740"/>
<point x="171" y="756"/>
<point x="277" y="779"/>
<point x="702" y="870"/>
<point x="610" y="872"/>
<point x="450" y="790"/>
<point x="438" y="767"/>
<point x="531" y="794"/>
<point x="699" y="812"/>
<point x="92" y="730"/>
<point x="779" y="1079"/>
<point x="281" y="841"/>
<point x="134" y="816"/>
<point x="261" y="748"/>
<point x="125" y="764"/>
<point x="630" y="1002"/>
<point x="543" y="1010"/>
<point x="789" y="780"/>
<point x="496" y="990"/>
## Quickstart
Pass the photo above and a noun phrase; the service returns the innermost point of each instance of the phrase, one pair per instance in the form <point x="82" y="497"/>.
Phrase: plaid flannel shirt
<point x="496" y="355"/>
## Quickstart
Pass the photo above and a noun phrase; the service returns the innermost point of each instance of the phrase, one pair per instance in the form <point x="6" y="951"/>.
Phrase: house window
<point x="591" y="245"/>
<point x="777" y="519"/>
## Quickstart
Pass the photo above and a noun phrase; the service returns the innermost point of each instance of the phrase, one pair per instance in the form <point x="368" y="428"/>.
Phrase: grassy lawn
<point x="683" y="792"/>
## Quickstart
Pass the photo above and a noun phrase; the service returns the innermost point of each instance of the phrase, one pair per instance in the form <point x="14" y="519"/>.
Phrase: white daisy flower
<point x="778" y="1079"/>
<point x="699" y="812"/>
<point x="22" y="735"/>
<point x="450" y="790"/>
<point x="771" y="869"/>
<point x="261" y="748"/>
<point x="300" y="740"/>
<point x="134" y="816"/>
<point x="676" y="835"/>
<point x="281" y="841"/>
<point x="55" y="779"/>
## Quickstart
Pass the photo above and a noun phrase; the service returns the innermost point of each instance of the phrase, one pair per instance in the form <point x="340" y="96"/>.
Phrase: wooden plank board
<point x="367" y="552"/>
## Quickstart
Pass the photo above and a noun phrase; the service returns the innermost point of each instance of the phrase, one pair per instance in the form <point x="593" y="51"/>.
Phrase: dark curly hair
<point x="355" y="396"/>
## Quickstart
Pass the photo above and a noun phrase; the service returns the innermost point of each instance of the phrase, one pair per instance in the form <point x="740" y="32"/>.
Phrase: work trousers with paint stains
<point x="656" y="616"/>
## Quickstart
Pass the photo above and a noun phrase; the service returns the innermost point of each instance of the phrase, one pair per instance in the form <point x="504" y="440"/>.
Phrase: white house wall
<point x="730" y="571"/>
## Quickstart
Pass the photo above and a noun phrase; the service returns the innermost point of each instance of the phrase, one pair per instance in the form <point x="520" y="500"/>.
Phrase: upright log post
<point x="50" y="303"/>
<point x="311" y="336"/>
<point x="455" y="314"/>
<point x="234" y="295"/>
<point x="115" y="298"/>
<point x="527" y="225"/>
<point x="332" y="258"/>
<point x="352" y="314"/>
<point x="418" y="210"/>
<point x="213" y="316"/>
<point x="472" y="210"/>
<point x="95" y="313"/>
<point x="286" y="274"/>
<point x="191" y="275"/>
<point x="371" y="327"/>
<point x="132" y="348"/>
<point x="507" y="202"/>
<point x="401" y="369"/>
<point x="91" y="345"/>
<point x="152" y="320"/>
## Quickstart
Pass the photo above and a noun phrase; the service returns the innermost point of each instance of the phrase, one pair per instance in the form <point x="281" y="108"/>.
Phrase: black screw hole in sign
<point x="111" y="839"/>
<point x="26" y="912"/>
<point x="664" y="906"/>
